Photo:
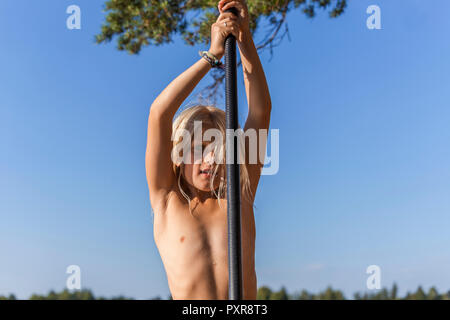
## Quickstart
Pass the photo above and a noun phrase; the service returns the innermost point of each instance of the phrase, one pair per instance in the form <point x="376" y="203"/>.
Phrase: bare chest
<point x="194" y="248"/>
<point x="186" y="238"/>
<point x="200" y="232"/>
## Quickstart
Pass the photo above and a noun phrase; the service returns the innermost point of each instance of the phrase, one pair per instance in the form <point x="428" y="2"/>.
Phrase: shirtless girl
<point x="189" y="197"/>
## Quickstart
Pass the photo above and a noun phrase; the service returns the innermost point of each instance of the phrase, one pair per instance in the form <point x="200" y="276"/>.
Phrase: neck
<point x="199" y="195"/>
<point x="202" y="196"/>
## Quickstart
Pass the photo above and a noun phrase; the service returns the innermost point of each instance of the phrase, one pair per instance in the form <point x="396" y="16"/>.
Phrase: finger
<point x="227" y="5"/>
<point x="231" y="4"/>
<point x="235" y="32"/>
<point x="233" y="29"/>
<point x="228" y="28"/>
<point x="226" y="15"/>
<point x="228" y="31"/>
<point x="229" y="22"/>
<point x="222" y="3"/>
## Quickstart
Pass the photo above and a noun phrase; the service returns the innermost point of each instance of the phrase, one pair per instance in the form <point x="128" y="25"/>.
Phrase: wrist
<point x="216" y="53"/>
<point x="212" y="59"/>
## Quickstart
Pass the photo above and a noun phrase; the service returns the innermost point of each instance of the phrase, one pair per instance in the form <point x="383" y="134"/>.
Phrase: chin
<point x="204" y="188"/>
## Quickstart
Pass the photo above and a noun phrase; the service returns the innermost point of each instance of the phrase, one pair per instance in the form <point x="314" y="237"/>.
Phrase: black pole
<point x="233" y="183"/>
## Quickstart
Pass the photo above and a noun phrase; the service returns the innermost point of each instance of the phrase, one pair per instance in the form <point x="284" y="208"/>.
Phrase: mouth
<point x="206" y="173"/>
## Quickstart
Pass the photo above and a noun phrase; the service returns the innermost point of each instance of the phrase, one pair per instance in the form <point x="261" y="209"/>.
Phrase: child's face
<point x="198" y="172"/>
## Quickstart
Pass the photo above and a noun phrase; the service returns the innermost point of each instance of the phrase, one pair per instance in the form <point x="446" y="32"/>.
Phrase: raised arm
<point x="259" y="105"/>
<point x="158" y="161"/>
<point x="258" y="97"/>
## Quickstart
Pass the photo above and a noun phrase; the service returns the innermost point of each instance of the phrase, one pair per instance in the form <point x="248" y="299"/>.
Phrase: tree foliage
<point x="66" y="294"/>
<point x="140" y="23"/>
<point x="266" y="293"/>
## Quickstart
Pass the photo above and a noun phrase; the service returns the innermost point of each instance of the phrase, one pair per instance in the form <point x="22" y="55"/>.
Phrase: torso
<point x="194" y="248"/>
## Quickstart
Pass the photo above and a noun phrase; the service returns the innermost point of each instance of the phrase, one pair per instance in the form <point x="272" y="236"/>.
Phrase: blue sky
<point x="364" y="160"/>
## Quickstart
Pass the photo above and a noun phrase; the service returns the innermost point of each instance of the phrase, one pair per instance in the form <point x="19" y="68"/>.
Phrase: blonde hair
<point x="214" y="117"/>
